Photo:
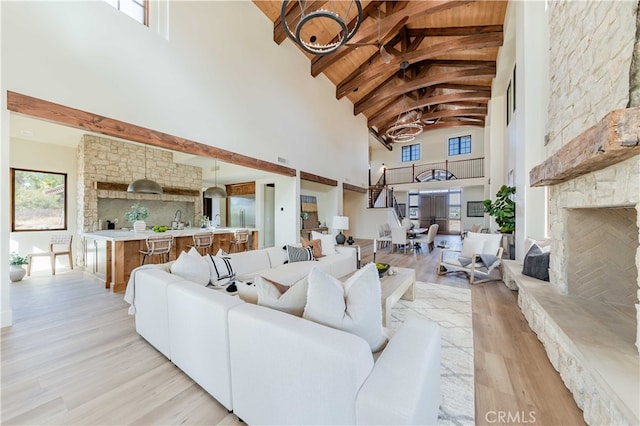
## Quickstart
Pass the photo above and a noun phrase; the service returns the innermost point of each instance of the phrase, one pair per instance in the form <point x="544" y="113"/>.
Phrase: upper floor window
<point x="411" y="152"/>
<point x="137" y="9"/>
<point x="38" y="200"/>
<point x="460" y="145"/>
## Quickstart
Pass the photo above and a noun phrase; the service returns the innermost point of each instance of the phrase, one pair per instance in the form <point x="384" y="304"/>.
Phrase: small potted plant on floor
<point x="137" y="216"/>
<point x="16" y="271"/>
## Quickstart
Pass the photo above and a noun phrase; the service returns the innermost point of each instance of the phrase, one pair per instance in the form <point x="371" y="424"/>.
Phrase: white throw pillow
<point x="353" y="306"/>
<point x="288" y="274"/>
<point x="328" y="242"/>
<point x="291" y="301"/>
<point x="191" y="268"/>
<point x="220" y="270"/>
<point x="491" y="242"/>
<point x="471" y="246"/>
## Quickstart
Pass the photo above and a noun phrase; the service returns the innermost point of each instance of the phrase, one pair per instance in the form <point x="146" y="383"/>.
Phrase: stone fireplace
<point x="588" y="315"/>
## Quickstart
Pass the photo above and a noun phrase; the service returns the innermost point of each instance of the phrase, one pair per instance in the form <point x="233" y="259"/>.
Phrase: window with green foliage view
<point x="38" y="200"/>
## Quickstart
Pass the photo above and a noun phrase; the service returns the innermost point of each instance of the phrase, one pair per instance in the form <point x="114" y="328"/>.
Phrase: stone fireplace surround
<point x="587" y="316"/>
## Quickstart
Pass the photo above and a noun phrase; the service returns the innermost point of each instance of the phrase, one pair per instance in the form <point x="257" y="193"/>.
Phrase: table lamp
<point x="340" y="223"/>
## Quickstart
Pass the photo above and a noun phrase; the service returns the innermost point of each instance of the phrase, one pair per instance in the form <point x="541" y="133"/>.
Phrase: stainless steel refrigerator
<point x="242" y="211"/>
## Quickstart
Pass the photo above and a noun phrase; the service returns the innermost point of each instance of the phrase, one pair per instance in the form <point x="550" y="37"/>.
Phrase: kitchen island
<point x="110" y="256"/>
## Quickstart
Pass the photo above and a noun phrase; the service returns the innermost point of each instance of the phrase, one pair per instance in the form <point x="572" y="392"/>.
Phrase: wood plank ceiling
<point x="448" y="49"/>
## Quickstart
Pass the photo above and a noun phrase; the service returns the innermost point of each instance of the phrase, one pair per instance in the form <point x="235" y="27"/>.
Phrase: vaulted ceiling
<point x="427" y="60"/>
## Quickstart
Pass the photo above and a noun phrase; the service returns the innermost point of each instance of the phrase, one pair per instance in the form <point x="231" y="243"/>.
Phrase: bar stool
<point x="240" y="238"/>
<point x="202" y="242"/>
<point x="158" y="245"/>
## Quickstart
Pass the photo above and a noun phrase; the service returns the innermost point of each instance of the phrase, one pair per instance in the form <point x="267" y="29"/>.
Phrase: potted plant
<point x="16" y="271"/>
<point x="137" y="216"/>
<point x="504" y="211"/>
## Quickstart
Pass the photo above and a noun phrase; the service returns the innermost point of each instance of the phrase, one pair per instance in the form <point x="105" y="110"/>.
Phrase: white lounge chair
<point x="480" y="256"/>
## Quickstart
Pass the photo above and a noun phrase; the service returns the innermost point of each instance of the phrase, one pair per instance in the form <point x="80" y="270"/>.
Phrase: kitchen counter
<point x="111" y="255"/>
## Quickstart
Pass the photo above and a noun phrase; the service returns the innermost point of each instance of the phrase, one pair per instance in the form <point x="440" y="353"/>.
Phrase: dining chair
<point x="58" y="245"/>
<point x="399" y="238"/>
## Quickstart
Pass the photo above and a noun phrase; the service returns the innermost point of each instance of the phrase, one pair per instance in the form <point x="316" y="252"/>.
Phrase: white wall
<point x="433" y="148"/>
<point x="519" y="146"/>
<point x="218" y="79"/>
<point x="327" y="199"/>
<point x="49" y="158"/>
<point x="472" y="193"/>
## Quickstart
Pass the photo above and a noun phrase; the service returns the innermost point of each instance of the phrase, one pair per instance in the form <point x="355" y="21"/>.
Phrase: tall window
<point x="460" y="145"/>
<point x="38" y="200"/>
<point x="455" y="197"/>
<point x="411" y="152"/>
<point x="137" y="9"/>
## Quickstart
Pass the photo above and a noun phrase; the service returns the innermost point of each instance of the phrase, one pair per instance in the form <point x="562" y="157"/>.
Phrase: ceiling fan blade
<point x="386" y="57"/>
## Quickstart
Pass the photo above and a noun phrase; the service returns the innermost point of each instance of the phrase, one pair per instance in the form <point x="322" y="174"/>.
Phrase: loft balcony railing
<point x="430" y="172"/>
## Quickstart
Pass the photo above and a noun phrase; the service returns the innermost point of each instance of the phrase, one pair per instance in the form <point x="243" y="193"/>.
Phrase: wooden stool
<point x="158" y="245"/>
<point x="202" y="242"/>
<point x="240" y="238"/>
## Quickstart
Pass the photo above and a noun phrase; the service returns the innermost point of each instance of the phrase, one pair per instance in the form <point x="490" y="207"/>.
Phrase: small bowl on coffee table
<point x="382" y="268"/>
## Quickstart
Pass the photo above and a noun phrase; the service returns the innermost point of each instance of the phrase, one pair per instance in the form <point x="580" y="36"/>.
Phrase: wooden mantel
<point x="614" y="139"/>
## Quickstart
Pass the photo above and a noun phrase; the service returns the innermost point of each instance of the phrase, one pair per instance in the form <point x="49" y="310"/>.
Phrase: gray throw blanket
<point x="487" y="260"/>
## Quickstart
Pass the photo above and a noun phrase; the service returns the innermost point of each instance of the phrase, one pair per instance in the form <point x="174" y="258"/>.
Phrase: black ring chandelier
<point x="295" y="30"/>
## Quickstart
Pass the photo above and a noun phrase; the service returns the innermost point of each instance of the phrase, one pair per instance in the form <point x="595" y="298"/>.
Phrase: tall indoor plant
<point x="504" y="211"/>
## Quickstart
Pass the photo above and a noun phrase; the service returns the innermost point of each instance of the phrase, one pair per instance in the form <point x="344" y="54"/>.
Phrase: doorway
<point x="269" y="206"/>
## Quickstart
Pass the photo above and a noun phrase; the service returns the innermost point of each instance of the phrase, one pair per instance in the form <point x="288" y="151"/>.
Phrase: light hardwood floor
<point x="73" y="357"/>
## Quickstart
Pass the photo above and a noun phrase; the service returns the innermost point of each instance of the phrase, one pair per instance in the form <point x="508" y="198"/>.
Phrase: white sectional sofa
<point x="270" y="367"/>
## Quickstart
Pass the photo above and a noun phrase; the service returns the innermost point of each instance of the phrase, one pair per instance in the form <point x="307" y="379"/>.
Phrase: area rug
<point x="451" y="308"/>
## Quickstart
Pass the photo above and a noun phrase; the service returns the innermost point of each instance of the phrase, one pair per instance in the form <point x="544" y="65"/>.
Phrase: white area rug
<point x="451" y="308"/>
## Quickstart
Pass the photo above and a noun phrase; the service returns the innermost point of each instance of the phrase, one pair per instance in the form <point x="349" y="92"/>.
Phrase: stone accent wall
<point x="591" y="48"/>
<point x="634" y="75"/>
<point x="107" y="160"/>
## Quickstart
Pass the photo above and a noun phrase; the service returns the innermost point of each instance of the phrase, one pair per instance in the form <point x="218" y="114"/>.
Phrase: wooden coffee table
<point x="402" y="285"/>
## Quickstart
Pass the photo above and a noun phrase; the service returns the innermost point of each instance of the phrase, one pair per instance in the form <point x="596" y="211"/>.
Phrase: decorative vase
<point x="350" y="240"/>
<point x="139" y="225"/>
<point x="16" y="272"/>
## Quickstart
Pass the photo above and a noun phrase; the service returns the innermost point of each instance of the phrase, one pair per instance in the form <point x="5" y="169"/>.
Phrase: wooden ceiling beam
<point x="413" y="10"/>
<point x="359" y="76"/>
<point x="472" y="87"/>
<point x="454" y="31"/>
<point x="317" y="178"/>
<point x="397" y="109"/>
<point x="454" y="113"/>
<point x="367" y="12"/>
<point x="380" y="139"/>
<point x="385" y="91"/>
<point x="79" y="119"/>
<point x="460" y="63"/>
<point x="446" y="124"/>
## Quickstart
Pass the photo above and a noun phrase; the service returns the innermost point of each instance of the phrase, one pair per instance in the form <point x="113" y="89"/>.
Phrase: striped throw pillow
<point x="220" y="270"/>
<point x="299" y="254"/>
